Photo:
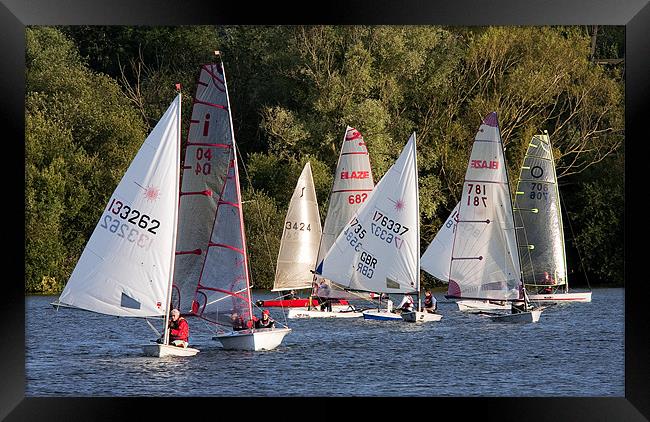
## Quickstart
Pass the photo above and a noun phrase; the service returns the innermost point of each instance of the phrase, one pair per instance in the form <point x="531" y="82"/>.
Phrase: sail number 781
<point x="475" y="194"/>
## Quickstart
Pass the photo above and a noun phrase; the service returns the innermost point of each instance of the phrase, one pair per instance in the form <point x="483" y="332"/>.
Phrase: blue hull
<point x="382" y="316"/>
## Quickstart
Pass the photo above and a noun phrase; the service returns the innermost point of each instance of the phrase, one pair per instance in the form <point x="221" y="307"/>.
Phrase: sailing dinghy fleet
<point x="166" y="241"/>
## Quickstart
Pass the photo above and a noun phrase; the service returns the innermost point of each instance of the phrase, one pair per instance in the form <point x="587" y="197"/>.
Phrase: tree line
<point x="94" y="92"/>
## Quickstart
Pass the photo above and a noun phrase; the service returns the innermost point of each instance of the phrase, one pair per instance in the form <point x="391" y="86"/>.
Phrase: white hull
<point x="560" y="297"/>
<point x="303" y="313"/>
<point x="162" y="350"/>
<point x="417" y="316"/>
<point x="254" y="340"/>
<point x="523" y="317"/>
<point x="381" y="315"/>
<point x="481" y="305"/>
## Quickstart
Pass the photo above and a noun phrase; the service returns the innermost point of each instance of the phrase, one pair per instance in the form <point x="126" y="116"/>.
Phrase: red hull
<point x="292" y="303"/>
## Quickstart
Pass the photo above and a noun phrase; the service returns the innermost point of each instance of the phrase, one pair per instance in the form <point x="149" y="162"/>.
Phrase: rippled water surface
<point x="78" y="353"/>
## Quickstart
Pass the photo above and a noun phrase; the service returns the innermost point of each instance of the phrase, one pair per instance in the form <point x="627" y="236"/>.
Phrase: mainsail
<point x="437" y="257"/>
<point x="485" y="261"/>
<point x="379" y="250"/>
<point x="353" y="185"/>
<point x="300" y="238"/>
<point x="538" y="217"/>
<point x="126" y="265"/>
<point x="211" y="280"/>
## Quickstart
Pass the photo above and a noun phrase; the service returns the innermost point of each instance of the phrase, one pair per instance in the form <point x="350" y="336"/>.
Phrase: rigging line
<point x="266" y="242"/>
<point x="153" y="328"/>
<point x="259" y="212"/>
<point x="582" y="264"/>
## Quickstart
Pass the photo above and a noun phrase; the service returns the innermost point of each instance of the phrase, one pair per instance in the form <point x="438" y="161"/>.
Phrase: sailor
<point x="266" y="321"/>
<point x="548" y="280"/>
<point x="430" y="302"/>
<point x="179" y="329"/>
<point x="406" y="305"/>
<point x="237" y="322"/>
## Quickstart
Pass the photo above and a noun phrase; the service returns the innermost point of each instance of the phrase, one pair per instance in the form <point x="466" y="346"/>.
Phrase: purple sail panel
<point x="491" y="120"/>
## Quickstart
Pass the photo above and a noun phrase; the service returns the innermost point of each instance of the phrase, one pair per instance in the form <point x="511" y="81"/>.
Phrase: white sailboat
<point x="126" y="267"/>
<point x="540" y="234"/>
<point x="299" y="244"/>
<point x="211" y="281"/>
<point x="379" y="250"/>
<point x="437" y="257"/>
<point x="484" y="262"/>
<point x="353" y="185"/>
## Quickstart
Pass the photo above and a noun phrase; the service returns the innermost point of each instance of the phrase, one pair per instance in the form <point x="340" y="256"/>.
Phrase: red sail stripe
<point x="207" y="144"/>
<point x="210" y="104"/>
<point x="206" y="192"/>
<point x="194" y="252"/>
<point x="222" y="245"/>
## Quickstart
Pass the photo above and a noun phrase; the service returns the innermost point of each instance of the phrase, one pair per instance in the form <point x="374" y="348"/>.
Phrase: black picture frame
<point x="634" y="14"/>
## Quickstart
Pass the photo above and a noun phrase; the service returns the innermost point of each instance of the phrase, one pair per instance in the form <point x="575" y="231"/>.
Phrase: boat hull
<point x="297" y="303"/>
<point x="162" y="350"/>
<point x="480" y="306"/>
<point x="560" y="297"/>
<point x="420" y="316"/>
<point x="342" y="313"/>
<point x="381" y="315"/>
<point x="253" y="340"/>
<point x="523" y="317"/>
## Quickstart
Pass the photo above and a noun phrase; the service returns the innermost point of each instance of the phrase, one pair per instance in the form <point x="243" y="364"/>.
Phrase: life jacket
<point x="261" y="323"/>
<point x="179" y="330"/>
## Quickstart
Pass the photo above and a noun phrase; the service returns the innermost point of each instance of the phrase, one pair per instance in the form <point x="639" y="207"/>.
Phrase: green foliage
<point x="81" y="134"/>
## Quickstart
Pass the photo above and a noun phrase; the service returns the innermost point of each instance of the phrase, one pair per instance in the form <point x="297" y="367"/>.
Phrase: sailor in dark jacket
<point x="266" y="321"/>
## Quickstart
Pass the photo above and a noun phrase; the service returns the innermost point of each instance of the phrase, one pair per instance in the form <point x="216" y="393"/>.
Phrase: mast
<point x="173" y="254"/>
<point x="237" y="187"/>
<point x="512" y="214"/>
<point x="417" y="208"/>
<point x="559" y="216"/>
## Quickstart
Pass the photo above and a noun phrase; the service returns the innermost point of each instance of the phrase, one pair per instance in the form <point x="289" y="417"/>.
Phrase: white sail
<point x="485" y="261"/>
<point x="437" y="257"/>
<point x="300" y="238"/>
<point x="353" y="185"/>
<point x="126" y="267"/>
<point x="538" y="216"/>
<point x="379" y="251"/>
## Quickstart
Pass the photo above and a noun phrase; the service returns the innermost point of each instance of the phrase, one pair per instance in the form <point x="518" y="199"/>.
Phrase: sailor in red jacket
<point x="179" y="329"/>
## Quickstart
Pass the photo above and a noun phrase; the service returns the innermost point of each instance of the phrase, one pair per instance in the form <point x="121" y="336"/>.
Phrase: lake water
<point x="575" y="350"/>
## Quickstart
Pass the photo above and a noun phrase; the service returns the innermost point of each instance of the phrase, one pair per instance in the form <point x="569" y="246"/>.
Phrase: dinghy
<point x="484" y="263"/>
<point x="540" y="233"/>
<point x="126" y="268"/>
<point x="379" y="250"/>
<point x="352" y="186"/>
<point x="211" y="281"/>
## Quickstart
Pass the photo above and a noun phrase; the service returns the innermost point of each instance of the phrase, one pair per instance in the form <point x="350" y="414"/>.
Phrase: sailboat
<point x="299" y="244"/>
<point x="353" y="185"/>
<point x="126" y="268"/>
<point x="437" y="257"/>
<point x="211" y="280"/>
<point x="379" y="250"/>
<point x="484" y="262"/>
<point x="538" y="219"/>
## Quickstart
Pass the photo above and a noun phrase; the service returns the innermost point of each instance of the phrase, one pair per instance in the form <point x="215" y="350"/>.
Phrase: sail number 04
<point x="205" y="168"/>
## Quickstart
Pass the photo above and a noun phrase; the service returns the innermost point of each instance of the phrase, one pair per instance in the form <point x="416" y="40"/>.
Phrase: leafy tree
<point x="81" y="134"/>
